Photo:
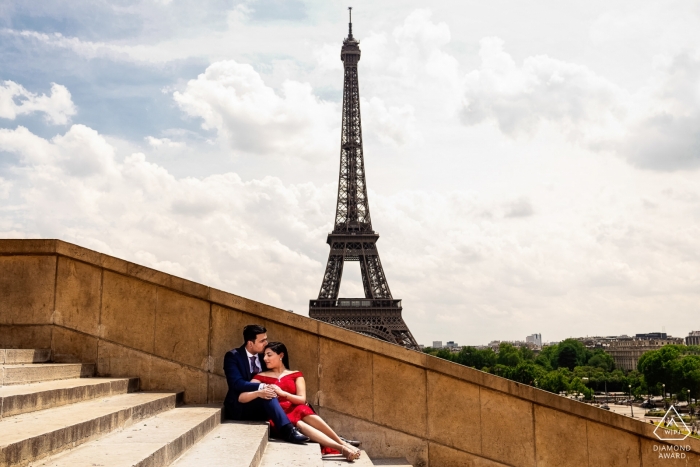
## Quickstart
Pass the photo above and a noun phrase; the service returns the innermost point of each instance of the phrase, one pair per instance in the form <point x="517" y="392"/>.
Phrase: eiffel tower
<point x="378" y="314"/>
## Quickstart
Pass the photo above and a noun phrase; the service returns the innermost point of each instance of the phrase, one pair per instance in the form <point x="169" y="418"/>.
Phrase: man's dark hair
<point x="250" y="332"/>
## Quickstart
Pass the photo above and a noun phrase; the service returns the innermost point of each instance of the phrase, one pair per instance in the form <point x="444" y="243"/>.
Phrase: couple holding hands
<point x="262" y="387"/>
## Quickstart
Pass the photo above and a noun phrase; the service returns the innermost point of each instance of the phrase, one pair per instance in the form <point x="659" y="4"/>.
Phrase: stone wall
<point x="173" y="334"/>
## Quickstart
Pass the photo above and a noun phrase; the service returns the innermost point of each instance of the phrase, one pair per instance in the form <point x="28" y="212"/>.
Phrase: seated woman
<point x="290" y="388"/>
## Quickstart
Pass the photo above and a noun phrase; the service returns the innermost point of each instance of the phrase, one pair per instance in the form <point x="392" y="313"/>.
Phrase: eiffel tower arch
<point x="377" y="314"/>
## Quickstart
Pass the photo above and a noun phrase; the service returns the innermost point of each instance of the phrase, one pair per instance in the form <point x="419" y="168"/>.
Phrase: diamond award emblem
<point x="672" y="427"/>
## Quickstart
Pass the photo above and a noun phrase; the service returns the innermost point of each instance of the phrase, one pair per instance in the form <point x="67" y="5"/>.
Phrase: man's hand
<point x="267" y="393"/>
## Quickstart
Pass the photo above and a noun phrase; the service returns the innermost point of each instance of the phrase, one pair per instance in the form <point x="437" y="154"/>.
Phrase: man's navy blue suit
<point x="238" y="376"/>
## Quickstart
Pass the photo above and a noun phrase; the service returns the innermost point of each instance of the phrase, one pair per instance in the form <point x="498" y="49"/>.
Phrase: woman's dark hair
<point x="250" y="332"/>
<point x="278" y="348"/>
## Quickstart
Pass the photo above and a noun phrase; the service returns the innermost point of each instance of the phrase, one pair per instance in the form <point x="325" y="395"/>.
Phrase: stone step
<point x="36" y="372"/>
<point x="336" y="461"/>
<point x="281" y="454"/>
<point x="394" y="462"/>
<point x="24" y="398"/>
<point x="230" y="444"/>
<point x="154" y="442"/>
<point x="31" y="436"/>
<point x="15" y="356"/>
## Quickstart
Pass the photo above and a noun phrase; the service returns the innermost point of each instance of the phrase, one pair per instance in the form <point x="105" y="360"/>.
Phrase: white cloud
<point x="519" y="98"/>
<point x="15" y="100"/>
<point x="519" y="208"/>
<point x="666" y="135"/>
<point x="232" y="99"/>
<point x="164" y="142"/>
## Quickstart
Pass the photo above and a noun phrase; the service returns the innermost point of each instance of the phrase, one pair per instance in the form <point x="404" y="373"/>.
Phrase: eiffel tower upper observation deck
<point x="378" y="314"/>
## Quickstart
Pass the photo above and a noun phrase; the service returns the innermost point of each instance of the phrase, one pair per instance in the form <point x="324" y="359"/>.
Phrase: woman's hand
<point x="279" y="392"/>
<point x="267" y="392"/>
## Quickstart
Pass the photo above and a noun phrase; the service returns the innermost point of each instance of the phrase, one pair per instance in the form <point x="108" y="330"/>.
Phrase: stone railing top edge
<point x="280" y="316"/>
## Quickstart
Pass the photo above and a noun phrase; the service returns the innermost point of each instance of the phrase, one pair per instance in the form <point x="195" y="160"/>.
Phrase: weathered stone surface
<point x="28" y="437"/>
<point x="394" y="461"/>
<point x="18" y="399"/>
<point x="24" y="246"/>
<point x="17" y="356"/>
<point x="346" y="379"/>
<point x="443" y="456"/>
<point x="506" y="429"/>
<point x="155" y="442"/>
<point x="78" y="289"/>
<point x="27" y="289"/>
<point x="454" y="421"/>
<point x="399" y="395"/>
<point x="657" y="454"/>
<point x="372" y="344"/>
<point x="155" y="373"/>
<point x="623" y="452"/>
<point x="73" y="347"/>
<point x="33" y="373"/>
<point x="182" y="329"/>
<point x="553" y="435"/>
<point x="281" y="454"/>
<point x="25" y="336"/>
<point x="231" y="444"/>
<point x="128" y="311"/>
<point x="217" y="389"/>
<point x="377" y="440"/>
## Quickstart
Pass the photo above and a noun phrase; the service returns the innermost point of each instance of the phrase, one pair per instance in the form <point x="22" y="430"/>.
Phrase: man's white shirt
<point x="252" y="369"/>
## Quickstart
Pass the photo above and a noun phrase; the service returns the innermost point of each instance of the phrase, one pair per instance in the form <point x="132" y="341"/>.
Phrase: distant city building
<point x="693" y="338"/>
<point x="452" y="345"/>
<point x="626" y="350"/>
<point x="494" y="345"/>
<point x="535" y="339"/>
<point x="437" y="344"/>
<point x="652" y="335"/>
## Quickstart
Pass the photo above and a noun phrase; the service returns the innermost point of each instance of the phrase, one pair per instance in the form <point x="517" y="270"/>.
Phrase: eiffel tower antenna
<point x="378" y="314"/>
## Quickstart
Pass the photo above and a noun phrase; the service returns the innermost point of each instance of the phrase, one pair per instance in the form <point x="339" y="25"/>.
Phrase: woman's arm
<point x="299" y="398"/>
<point x="266" y="393"/>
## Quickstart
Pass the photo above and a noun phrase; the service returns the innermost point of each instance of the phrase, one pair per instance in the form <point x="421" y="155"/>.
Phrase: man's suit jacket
<point x="238" y="376"/>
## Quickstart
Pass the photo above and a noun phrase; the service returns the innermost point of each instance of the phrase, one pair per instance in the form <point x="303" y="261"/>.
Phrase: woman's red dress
<point x="288" y="384"/>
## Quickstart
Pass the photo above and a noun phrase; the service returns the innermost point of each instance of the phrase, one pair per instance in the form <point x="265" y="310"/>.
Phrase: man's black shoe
<point x="350" y="442"/>
<point x="295" y="437"/>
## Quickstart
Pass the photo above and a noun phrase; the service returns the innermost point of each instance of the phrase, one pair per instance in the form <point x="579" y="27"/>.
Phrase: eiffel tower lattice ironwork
<point x="378" y="314"/>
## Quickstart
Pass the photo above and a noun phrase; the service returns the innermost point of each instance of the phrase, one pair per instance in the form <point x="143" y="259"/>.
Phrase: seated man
<point x="240" y="366"/>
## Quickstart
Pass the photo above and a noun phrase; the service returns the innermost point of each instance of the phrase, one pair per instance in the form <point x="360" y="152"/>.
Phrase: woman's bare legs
<point x="323" y="439"/>
<point x="318" y="423"/>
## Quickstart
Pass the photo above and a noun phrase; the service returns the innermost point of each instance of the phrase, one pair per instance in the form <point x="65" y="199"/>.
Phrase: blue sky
<point x="532" y="167"/>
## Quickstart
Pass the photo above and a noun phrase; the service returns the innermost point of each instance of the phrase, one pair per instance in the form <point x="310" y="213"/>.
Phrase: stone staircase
<point x="57" y="414"/>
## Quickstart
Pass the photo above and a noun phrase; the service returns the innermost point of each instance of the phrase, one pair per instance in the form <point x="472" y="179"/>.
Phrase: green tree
<point x="657" y="365"/>
<point x="527" y="373"/>
<point x="508" y="355"/>
<point x="570" y="354"/>
<point x="547" y="357"/>
<point x="555" y="381"/>
<point x="526" y="354"/>
<point x="476" y="358"/>
<point x="601" y="359"/>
